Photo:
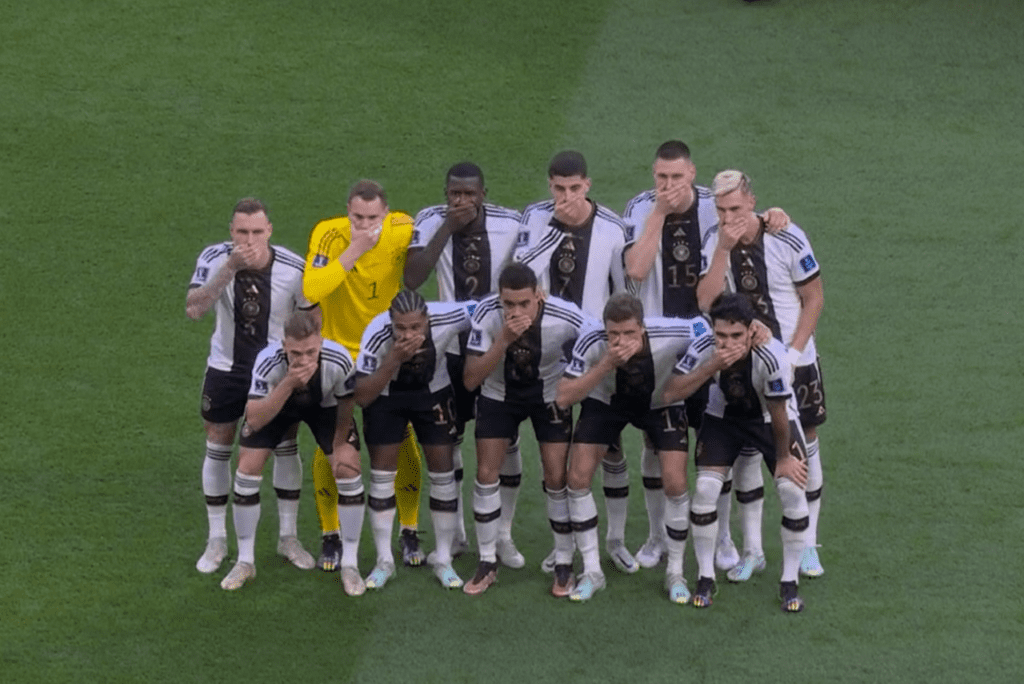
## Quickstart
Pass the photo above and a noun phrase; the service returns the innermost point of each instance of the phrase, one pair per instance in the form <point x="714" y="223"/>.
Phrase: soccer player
<point x="403" y="378"/>
<point x="665" y="228"/>
<point x="574" y="245"/>
<point x="468" y="241"/>
<point x="301" y="378"/>
<point x="252" y="287"/>
<point x="516" y="354"/>
<point x="353" y="270"/>
<point x="619" y="373"/>
<point x="750" y="404"/>
<point x="780" y="276"/>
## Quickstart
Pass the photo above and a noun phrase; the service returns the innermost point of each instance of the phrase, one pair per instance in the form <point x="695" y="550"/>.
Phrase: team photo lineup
<point x="690" y="315"/>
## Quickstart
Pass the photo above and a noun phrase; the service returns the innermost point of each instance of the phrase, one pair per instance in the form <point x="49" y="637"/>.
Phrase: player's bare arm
<point x="344" y="459"/>
<point x="201" y="299"/>
<point x="420" y="262"/>
<point x="369" y="387"/>
<point x="574" y="390"/>
<point x="640" y="256"/>
<point x="812" y="301"/>
<point x="259" y="412"/>
<point x="786" y="464"/>
<point x="680" y="387"/>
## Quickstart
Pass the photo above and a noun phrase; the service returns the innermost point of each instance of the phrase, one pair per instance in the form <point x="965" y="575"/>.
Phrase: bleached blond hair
<point x="730" y="180"/>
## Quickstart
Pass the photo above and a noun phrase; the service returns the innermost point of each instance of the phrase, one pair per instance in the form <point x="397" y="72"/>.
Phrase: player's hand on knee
<point x="793" y="469"/>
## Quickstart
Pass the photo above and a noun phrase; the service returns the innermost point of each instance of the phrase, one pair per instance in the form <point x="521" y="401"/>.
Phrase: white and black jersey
<point x="741" y="391"/>
<point x="252" y="309"/>
<point x="767" y="272"/>
<point x="533" y="363"/>
<point x="582" y="265"/>
<point x="639" y="383"/>
<point x="334" y="378"/>
<point x="670" y="289"/>
<point x="471" y="261"/>
<point x="427" y="370"/>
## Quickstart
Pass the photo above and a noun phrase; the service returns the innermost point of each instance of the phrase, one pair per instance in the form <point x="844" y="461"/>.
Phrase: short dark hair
<point x="732" y="308"/>
<point x="622" y="306"/>
<point x="301" y="324"/>
<point x="408" y="301"/>
<point x="517" y="276"/>
<point x="464" y="170"/>
<point x="671" y="150"/>
<point x="250" y="206"/>
<point x="568" y="163"/>
<point x="368" y="190"/>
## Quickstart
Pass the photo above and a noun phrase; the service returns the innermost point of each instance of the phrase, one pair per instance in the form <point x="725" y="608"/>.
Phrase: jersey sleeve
<point x="707" y="250"/>
<point x="373" y="346"/>
<point x="700" y="350"/>
<point x="803" y="267"/>
<point x="425" y="226"/>
<point x="775" y="370"/>
<point x="208" y="263"/>
<point x="265" y="373"/>
<point x="586" y="352"/>
<point x="324" y="272"/>
<point x="482" y="331"/>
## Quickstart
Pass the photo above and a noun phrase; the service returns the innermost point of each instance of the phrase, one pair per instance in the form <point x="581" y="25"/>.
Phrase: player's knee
<point x="706" y="491"/>
<point x="793" y="499"/>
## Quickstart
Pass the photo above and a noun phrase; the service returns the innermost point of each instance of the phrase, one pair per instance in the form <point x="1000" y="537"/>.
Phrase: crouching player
<point x="402" y="378"/>
<point x="516" y="353"/>
<point x="750" y="405"/>
<point x="301" y="378"/>
<point x="619" y="372"/>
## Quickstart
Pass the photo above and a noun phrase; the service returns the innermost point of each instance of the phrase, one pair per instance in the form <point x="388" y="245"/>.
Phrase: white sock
<point x="677" y="522"/>
<point x="217" y="487"/>
<point x="815" y="481"/>
<point x="460" y="517"/>
<point x="443" y="511"/>
<point x="510" y="477"/>
<point x="750" y="499"/>
<point x="486" y="511"/>
<point x="561" y="528"/>
<point x="654" y="496"/>
<point x="382" y="505"/>
<point x="351" y="509"/>
<point x="616" y="496"/>
<point x="704" y="520"/>
<point x="247" y="514"/>
<point x="794" y="527"/>
<point x="288" y="486"/>
<point x="583" y="515"/>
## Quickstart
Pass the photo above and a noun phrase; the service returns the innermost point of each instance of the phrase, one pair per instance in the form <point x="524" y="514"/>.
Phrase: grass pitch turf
<point x="890" y="131"/>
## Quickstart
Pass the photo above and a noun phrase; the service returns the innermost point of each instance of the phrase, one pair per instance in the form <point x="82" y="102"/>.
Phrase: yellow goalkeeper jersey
<point x="350" y="299"/>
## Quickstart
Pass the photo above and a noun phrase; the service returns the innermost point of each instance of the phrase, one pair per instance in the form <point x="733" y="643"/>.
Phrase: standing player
<point x="252" y="286"/>
<point x="619" y="373"/>
<point x="665" y="228"/>
<point x="516" y="353"/>
<point x="403" y="378"/>
<point x="574" y="245"/>
<point x="468" y="242"/>
<point x="353" y="270"/>
<point x="750" y="405"/>
<point x="302" y="378"/>
<point x="781" y="278"/>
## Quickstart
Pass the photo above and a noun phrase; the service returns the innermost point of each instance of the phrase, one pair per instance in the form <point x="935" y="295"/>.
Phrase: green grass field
<point x="889" y="129"/>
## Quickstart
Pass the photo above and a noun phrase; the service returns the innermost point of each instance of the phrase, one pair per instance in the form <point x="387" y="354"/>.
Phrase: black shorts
<point x="432" y="417"/>
<point x="809" y="388"/>
<point x="501" y="419"/>
<point x="695" y="405"/>
<point x="321" y="421"/>
<point x="599" y="423"/>
<point x="224" y="395"/>
<point x="465" y="401"/>
<point x="721" y="439"/>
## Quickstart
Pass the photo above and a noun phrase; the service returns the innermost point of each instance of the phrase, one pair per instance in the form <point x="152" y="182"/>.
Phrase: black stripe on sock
<point x="751" y="496"/>
<point x="217" y="500"/>
<point x="577" y="525"/>
<point x="726" y="487"/>
<point x="247" y="499"/>
<point x="450" y="506"/>
<point x="458" y="474"/>
<point x="510" y="480"/>
<point x="616" y="492"/>
<point x="487" y="517"/>
<point x="814" y="495"/>
<point x="796" y="525"/>
<point x="652" y="483"/>
<point x="703" y="518"/>
<point x="378" y="505"/>
<point x="677" y="535"/>
<point x="288" y="494"/>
